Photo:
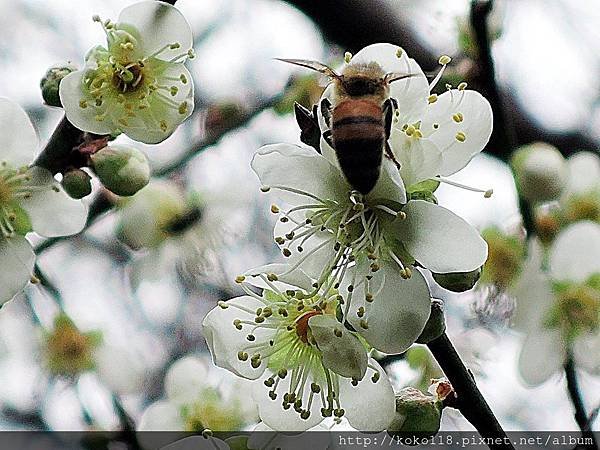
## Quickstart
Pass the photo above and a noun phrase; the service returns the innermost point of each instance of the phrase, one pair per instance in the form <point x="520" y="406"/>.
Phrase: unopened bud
<point x="540" y="172"/>
<point x="457" y="281"/>
<point x="122" y="169"/>
<point x="77" y="183"/>
<point x="416" y="413"/>
<point x="51" y="81"/>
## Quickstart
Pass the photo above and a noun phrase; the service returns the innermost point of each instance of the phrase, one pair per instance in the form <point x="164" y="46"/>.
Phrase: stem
<point x="503" y="134"/>
<point x="575" y="395"/>
<point x="56" y="154"/>
<point x="469" y="400"/>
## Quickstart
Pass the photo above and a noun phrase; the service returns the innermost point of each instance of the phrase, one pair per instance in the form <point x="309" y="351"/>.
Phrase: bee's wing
<point x="314" y="65"/>
<point x="397" y="76"/>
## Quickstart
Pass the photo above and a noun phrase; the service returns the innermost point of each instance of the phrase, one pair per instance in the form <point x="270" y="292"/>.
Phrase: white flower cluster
<point x="352" y="280"/>
<point x="137" y="85"/>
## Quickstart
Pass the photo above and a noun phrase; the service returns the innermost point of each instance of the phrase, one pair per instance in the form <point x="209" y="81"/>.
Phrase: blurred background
<point x="93" y="343"/>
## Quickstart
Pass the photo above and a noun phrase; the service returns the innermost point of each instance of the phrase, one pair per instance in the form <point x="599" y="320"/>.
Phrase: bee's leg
<point x="389" y="106"/>
<point x="326" y="111"/>
<point x="310" y="134"/>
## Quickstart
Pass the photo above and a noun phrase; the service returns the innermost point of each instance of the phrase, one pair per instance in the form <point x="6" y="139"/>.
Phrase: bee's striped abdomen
<point x="358" y="137"/>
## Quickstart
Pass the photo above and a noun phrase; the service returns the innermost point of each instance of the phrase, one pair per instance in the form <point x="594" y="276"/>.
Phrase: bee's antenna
<point x="395" y="76"/>
<point x="313" y="65"/>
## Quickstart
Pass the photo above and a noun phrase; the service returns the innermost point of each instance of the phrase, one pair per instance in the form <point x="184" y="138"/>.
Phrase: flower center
<point x="354" y="230"/>
<point x="576" y="310"/>
<point x="125" y="85"/>
<point x="289" y="348"/>
<point x="212" y="412"/>
<point x="14" y="186"/>
<point x="129" y="78"/>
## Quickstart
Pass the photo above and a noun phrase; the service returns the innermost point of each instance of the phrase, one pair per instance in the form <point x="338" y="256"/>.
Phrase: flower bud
<point x="457" y="281"/>
<point x="122" y="169"/>
<point x="77" y="183"/>
<point x="51" y="81"/>
<point x="416" y="413"/>
<point x="436" y="324"/>
<point x="540" y="172"/>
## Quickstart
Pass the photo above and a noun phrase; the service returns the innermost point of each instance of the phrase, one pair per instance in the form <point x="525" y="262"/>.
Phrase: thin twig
<point x="469" y="400"/>
<point x="581" y="416"/>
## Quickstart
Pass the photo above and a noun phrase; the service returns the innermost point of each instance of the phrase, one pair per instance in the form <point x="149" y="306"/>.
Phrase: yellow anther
<point x="240" y="279"/>
<point x="432" y="98"/>
<point x="183" y="108"/>
<point x="488" y="193"/>
<point x="460" y="136"/>
<point x="444" y="59"/>
<point x="347" y="57"/>
<point x="462" y="86"/>
<point x="458" y="117"/>
<point x="399" y="53"/>
<point x="274" y="209"/>
<point x="83" y="104"/>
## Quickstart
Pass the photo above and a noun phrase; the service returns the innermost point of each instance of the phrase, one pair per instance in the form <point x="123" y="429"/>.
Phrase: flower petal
<point x="265" y="438"/>
<point x="301" y="169"/>
<point x="52" y="212"/>
<point x="585" y="352"/>
<point x="368" y="406"/>
<point x="185" y="379"/>
<point x="412" y="92"/>
<point x="532" y="291"/>
<point x="475" y="122"/>
<point x="71" y="93"/>
<point x="285" y="280"/>
<point x="584" y="172"/>
<point x="225" y="341"/>
<point x="271" y="411"/>
<point x="16" y="259"/>
<point x="343" y="353"/>
<point x="439" y="239"/>
<point x="574" y="255"/>
<point x="159" y="24"/>
<point x="542" y="355"/>
<point x="399" y="311"/>
<point x="419" y="158"/>
<point x="389" y="185"/>
<point x="145" y="127"/>
<point x="161" y="416"/>
<point x="18" y="140"/>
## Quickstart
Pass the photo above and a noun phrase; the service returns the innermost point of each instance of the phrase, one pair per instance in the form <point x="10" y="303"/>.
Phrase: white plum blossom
<point x="138" y="84"/>
<point x="200" y="396"/>
<point x="307" y="365"/>
<point x="559" y="310"/>
<point x="326" y="227"/>
<point x="178" y="230"/>
<point x="30" y="200"/>
<point x="433" y="136"/>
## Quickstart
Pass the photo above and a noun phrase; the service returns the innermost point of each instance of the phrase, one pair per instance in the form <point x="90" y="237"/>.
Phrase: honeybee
<point x="360" y="119"/>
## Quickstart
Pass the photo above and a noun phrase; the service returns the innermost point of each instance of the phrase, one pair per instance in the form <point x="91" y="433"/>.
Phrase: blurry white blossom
<point x="30" y="200"/>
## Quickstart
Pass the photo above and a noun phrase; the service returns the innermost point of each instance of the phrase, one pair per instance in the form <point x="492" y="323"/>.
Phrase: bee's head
<point x="363" y="79"/>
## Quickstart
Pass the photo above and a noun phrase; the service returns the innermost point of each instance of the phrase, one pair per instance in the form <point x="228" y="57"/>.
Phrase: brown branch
<point x="575" y="395"/>
<point x="469" y="400"/>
